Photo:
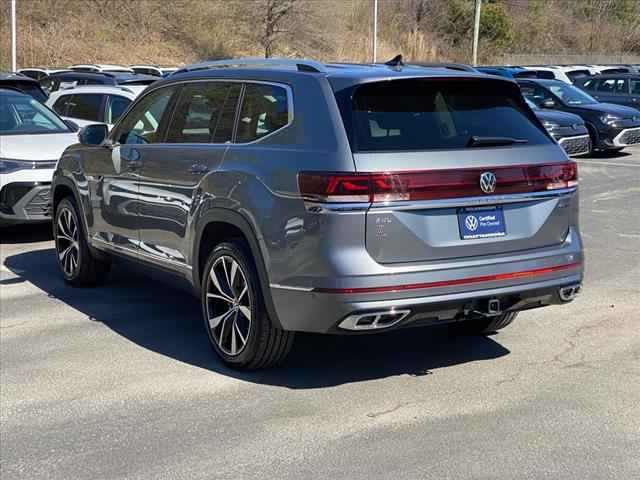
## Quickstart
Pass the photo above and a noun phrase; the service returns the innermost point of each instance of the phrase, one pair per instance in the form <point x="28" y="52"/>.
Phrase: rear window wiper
<point x="494" y="141"/>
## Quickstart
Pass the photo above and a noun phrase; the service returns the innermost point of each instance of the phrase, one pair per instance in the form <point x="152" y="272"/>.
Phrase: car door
<point x="196" y="140"/>
<point x="113" y="171"/>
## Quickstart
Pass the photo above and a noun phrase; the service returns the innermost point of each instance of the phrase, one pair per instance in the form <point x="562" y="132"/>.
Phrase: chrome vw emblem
<point x="471" y="222"/>
<point x="488" y="182"/>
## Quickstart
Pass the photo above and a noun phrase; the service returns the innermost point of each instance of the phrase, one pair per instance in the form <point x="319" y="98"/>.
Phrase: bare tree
<point x="274" y="20"/>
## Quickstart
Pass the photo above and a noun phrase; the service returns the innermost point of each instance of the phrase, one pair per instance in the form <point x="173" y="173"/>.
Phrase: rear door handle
<point x="198" y="169"/>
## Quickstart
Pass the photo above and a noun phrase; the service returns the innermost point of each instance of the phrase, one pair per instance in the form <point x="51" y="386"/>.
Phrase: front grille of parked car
<point x="630" y="137"/>
<point x="38" y="204"/>
<point x="576" y="145"/>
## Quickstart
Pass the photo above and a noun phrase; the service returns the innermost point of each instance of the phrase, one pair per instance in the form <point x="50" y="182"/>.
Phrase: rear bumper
<point x="440" y="295"/>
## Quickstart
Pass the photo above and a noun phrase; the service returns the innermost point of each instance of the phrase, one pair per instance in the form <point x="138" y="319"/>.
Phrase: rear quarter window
<point x="426" y="114"/>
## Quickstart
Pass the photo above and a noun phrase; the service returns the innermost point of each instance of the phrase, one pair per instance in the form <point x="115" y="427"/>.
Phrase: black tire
<point x="593" y="134"/>
<point x="265" y="345"/>
<point x="87" y="270"/>
<point x="485" y="326"/>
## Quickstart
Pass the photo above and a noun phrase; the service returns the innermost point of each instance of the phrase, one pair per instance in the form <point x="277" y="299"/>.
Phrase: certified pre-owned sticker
<point x="481" y="223"/>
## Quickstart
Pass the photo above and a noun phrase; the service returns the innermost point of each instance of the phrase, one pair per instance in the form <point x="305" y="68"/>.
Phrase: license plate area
<point x="481" y="222"/>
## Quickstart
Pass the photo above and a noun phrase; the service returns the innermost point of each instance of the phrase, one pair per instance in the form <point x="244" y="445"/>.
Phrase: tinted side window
<point x="635" y="87"/>
<point x="622" y="86"/>
<point x="224" y="129"/>
<point x="60" y="107"/>
<point x="589" y="84"/>
<point x="142" y="124"/>
<point x="116" y="106"/>
<point x="86" y="107"/>
<point x="197" y="112"/>
<point x="265" y="109"/>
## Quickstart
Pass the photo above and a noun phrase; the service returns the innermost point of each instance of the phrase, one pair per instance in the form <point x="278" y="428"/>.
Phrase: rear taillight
<point x="434" y="184"/>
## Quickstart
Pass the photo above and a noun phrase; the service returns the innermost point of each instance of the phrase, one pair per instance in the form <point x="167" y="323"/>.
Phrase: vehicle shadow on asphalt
<point x="27" y="233"/>
<point x="607" y="154"/>
<point x="168" y="321"/>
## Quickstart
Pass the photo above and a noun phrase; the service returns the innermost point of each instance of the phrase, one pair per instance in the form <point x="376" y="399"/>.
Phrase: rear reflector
<point x="458" y="281"/>
<point x="434" y="184"/>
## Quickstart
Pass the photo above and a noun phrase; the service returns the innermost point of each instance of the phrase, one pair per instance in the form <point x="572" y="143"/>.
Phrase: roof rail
<point x="300" y="65"/>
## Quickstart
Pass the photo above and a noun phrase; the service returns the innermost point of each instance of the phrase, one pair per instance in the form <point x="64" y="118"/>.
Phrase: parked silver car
<point x="298" y="196"/>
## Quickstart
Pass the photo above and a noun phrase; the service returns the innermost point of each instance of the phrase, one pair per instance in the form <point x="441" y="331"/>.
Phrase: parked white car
<point x="549" y="73"/>
<point x="32" y="139"/>
<point x="94" y="104"/>
<point x="154" y="70"/>
<point x="100" y="68"/>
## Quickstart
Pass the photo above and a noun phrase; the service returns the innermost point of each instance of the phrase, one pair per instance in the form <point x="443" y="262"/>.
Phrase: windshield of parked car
<point x="424" y="114"/>
<point x="571" y="95"/>
<point x="23" y="115"/>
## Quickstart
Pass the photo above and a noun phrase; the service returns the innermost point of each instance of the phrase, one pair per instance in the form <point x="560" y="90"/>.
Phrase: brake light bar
<point x="434" y="184"/>
<point x="458" y="281"/>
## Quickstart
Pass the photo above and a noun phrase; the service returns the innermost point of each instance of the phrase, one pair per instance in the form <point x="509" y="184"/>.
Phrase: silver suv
<point x="298" y="196"/>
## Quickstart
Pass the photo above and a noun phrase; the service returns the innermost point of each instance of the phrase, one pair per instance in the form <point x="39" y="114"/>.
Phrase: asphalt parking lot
<point x="119" y="382"/>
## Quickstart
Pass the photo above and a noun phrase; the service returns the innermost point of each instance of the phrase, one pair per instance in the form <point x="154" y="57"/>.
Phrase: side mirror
<point x="548" y="103"/>
<point x="93" y="134"/>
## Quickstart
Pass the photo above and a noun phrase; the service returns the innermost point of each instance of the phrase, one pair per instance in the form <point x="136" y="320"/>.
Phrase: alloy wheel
<point x="67" y="241"/>
<point x="228" y="305"/>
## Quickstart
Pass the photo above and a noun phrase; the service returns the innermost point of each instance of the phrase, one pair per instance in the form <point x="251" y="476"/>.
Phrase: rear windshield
<point x="419" y="114"/>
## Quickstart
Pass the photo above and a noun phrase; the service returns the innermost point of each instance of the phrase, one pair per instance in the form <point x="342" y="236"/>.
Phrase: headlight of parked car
<point x="10" y="166"/>
<point x="610" y="119"/>
<point x="550" y="126"/>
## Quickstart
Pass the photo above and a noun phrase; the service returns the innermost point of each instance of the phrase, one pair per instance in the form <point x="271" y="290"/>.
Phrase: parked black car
<point x="72" y="79"/>
<point x="622" y="88"/>
<point x="567" y="129"/>
<point x="23" y="84"/>
<point x="611" y="127"/>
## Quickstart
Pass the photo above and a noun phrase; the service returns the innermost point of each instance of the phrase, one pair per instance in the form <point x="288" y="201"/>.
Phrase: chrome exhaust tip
<point x="374" y="320"/>
<point x="570" y="292"/>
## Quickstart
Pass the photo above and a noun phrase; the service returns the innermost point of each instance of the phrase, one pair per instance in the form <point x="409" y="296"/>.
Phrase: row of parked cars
<point x="593" y="113"/>
<point x="329" y="198"/>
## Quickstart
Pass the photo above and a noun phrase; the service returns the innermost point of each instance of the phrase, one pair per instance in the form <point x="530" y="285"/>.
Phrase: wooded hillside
<point x="61" y="32"/>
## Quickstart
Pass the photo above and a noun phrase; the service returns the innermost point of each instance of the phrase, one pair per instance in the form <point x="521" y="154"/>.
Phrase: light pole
<point x="14" y="62"/>
<point x="375" y="31"/>
<point x="476" y="32"/>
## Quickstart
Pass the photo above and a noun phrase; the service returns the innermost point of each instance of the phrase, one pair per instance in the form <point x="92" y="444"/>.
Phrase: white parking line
<point x="615" y="164"/>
